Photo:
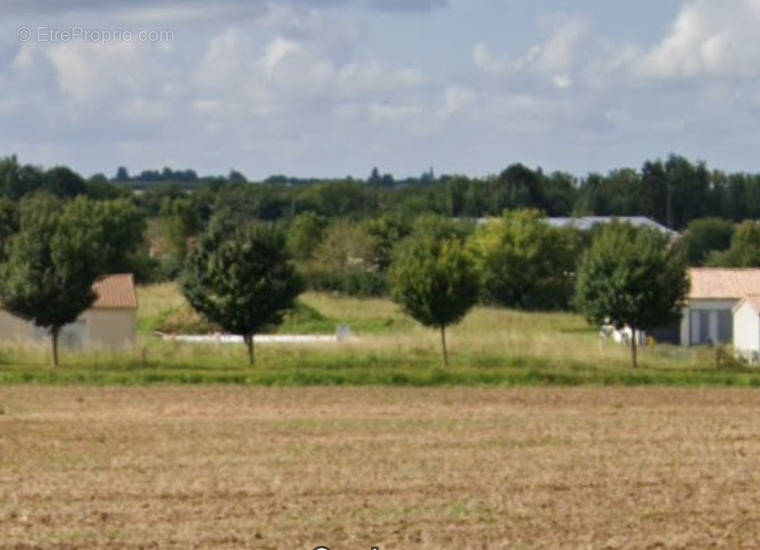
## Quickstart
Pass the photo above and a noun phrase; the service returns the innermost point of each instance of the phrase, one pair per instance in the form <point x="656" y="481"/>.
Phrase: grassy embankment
<point x="490" y="347"/>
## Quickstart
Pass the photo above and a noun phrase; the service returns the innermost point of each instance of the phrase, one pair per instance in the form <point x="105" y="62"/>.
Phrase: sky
<point x="329" y="88"/>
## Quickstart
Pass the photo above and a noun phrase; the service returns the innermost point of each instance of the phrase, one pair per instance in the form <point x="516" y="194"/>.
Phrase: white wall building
<point x="747" y="328"/>
<point x="110" y="323"/>
<point x="708" y="317"/>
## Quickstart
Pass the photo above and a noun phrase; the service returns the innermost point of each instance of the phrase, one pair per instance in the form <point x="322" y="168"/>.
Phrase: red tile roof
<point x="115" y="292"/>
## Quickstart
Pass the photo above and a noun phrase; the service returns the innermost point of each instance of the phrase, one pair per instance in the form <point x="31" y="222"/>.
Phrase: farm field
<point x="491" y="347"/>
<point x="294" y="468"/>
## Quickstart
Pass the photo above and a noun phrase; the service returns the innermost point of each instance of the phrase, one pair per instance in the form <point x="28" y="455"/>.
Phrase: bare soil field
<point x="398" y="468"/>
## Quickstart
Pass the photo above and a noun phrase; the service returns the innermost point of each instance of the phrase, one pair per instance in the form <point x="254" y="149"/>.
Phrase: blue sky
<point x="335" y="87"/>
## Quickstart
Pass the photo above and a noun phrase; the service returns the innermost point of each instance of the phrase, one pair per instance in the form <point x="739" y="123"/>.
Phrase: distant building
<point x="717" y="311"/>
<point x="746" y="327"/>
<point x="110" y="323"/>
<point x="708" y="317"/>
<point x="587" y="223"/>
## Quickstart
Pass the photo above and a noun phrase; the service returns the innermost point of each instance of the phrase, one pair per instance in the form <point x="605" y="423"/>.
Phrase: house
<point x="747" y="328"/>
<point x="110" y="323"/>
<point x="587" y="223"/>
<point x="708" y="317"/>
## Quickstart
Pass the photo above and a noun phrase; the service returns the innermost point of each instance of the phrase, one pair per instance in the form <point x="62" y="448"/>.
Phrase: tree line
<point x="242" y="276"/>
<point x="243" y="279"/>
<point x="673" y="192"/>
<point x="348" y="236"/>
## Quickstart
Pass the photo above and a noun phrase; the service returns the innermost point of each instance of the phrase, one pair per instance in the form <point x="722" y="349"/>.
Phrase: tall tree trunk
<point x="54" y="340"/>
<point x="248" y="339"/>
<point x="443" y="345"/>
<point x="633" y="348"/>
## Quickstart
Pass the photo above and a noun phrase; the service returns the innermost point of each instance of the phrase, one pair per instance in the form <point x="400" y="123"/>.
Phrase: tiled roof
<point x="718" y="283"/>
<point x="115" y="292"/>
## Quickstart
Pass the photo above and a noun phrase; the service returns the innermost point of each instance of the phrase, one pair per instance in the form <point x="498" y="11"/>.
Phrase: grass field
<point x="293" y="468"/>
<point x="492" y="347"/>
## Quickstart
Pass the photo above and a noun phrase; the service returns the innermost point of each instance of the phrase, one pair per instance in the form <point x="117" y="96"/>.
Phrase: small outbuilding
<point x="110" y="323"/>
<point x="747" y="328"/>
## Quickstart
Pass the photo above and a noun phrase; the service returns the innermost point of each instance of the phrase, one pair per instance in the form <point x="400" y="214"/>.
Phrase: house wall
<point x="95" y="329"/>
<point x="112" y="328"/>
<point x="747" y="331"/>
<point x="692" y="331"/>
<point x="15" y="329"/>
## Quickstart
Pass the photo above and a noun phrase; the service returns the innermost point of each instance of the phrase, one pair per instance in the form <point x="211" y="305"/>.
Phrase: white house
<point x="708" y="317"/>
<point x="110" y="323"/>
<point x="587" y="223"/>
<point x="747" y="328"/>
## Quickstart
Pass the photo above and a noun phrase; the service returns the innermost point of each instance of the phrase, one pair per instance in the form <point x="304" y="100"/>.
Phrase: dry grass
<point x="399" y="468"/>
<point x="485" y="333"/>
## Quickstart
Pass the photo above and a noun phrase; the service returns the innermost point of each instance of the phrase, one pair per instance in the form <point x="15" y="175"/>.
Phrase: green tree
<point x="241" y="279"/>
<point x="707" y="235"/>
<point x="434" y="281"/>
<point x="387" y="232"/>
<point x="8" y="222"/>
<point x="632" y="277"/>
<point x="50" y="265"/>
<point x="305" y="234"/>
<point x="524" y="262"/>
<point x="345" y="261"/>
<point x="744" y="250"/>
<point x="117" y="227"/>
<point x="180" y="221"/>
<point x="63" y="182"/>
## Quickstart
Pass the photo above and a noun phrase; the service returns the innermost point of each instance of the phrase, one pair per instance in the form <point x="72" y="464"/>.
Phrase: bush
<point x="525" y="263"/>
<point x="354" y="282"/>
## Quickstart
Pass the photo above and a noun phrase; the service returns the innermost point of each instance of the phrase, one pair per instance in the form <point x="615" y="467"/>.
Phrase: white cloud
<point x="710" y="38"/>
<point x="562" y="81"/>
<point x="456" y="99"/>
<point x="489" y="62"/>
<point x="277" y="50"/>
<point x="552" y="59"/>
<point x="85" y="69"/>
<point x="25" y="57"/>
<point x="289" y="74"/>
<point x="386" y="112"/>
<point x="558" y="52"/>
<point x="114" y="71"/>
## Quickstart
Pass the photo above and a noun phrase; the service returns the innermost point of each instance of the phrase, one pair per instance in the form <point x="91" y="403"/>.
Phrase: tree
<point x="50" y="265"/>
<point x="241" y="279"/>
<point x="122" y="174"/>
<point x="8" y="222"/>
<point x="305" y="234"/>
<point x="387" y="232"/>
<point x="345" y="261"/>
<point x="374" y="177"/>
<point x="524" y="262"/>
<point x="116" y="228"/>
<point x="179" y="222"/>
<point x="744" y="251"/>
<point x="707" y="235"/>
<point x="236" y="177"/>
<point x="434" y="281"/>
<point x="63" y="182"/>
<point x="632" y="277"/>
